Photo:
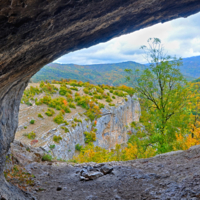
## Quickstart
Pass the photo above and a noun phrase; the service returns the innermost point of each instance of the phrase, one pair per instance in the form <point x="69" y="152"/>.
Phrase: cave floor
<point x="174" y="175"/>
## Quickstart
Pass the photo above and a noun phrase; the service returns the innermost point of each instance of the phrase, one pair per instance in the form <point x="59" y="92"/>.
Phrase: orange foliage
<point x="65" y="102"/>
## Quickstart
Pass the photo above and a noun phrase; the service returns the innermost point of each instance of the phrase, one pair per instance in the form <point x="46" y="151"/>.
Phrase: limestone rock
<point x="111" y="127"/>
<point x="25" y="154"/>
<point x="106" y="169"/>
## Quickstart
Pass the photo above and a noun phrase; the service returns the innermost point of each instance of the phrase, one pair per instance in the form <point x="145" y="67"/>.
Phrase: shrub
<point x="77" y="120"/>
<point x="40" y="115"/>
<point x="101" y="105"/>
<point x="70" y="99"/>
<point x="73" y="125"/>
<point x="108" y="99"/>
<point x="52" y="146"/>
<point x="50" y="112"/>
<point x="98" y="96"/>
<point x="32" y="121"/>
<point x="66" y="109"/>
<point x="100" y="90"/>
<point x="133" y="124"/>
<point x="25" y="127"/>
<point x="78" y="147"/>
<point x="65" y="129"/>
<point x="77" y="94"/>
<point x="64" y="90"/>
<point x="113" y="97"/>
<point x="59" y="119"/>
<point x="83" y="101"/>
<point x="30" y="135"/>
<point x="86" y="90"/>
<point x="74" y="88"/>
<point x="119" y="93"/>
<point x="48" y="88"/>
<point x="28" y="103"/>
<point x="47" y="157"/>
<point x="46" y="100"/>
<point x="72" y="105"/>
<point x="58" y="107"/>
<point x="66" y="123"/>
<point x="57" y="138"/>
<point x="90" y="136"/>
<point x="111" y="104"/>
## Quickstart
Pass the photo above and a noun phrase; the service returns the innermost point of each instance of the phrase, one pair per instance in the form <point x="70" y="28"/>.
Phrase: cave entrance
<point x="34" y="34"/>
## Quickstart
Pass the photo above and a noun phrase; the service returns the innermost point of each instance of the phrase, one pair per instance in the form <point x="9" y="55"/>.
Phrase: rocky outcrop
<point x="174" y="176"/>
<point x="34" y="33"/>
<point x="111" y="129"/>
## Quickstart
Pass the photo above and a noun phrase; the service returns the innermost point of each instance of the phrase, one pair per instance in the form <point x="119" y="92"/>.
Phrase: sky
<point x="180" y="37"/>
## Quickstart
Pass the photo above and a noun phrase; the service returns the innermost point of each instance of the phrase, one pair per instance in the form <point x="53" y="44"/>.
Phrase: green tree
<point x="161" y="87"/>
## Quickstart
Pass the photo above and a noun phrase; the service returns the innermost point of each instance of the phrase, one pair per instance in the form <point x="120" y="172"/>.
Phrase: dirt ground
<point x="172" y="176"/>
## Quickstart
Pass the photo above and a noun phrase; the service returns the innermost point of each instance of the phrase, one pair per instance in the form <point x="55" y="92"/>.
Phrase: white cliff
<point x="111" y="127"/>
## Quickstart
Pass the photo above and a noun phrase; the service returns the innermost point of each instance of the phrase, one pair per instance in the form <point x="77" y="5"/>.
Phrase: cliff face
<point x="111" y="129"/>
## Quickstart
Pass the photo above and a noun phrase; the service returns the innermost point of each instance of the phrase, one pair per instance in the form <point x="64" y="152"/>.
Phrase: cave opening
<point x="34" y="34"/>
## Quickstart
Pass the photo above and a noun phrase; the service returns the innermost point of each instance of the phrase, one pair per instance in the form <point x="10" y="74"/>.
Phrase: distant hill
<point x="191" y="67"/>
<point x="111" y="74"/>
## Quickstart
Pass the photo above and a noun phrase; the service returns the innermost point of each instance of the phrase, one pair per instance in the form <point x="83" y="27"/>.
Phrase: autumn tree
<point x="161" y="87"/>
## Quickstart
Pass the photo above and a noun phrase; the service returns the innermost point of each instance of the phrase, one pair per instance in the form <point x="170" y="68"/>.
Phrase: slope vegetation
<point x="112" y="74"/>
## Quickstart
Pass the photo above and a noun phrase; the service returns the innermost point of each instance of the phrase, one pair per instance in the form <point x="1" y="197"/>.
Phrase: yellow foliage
<point x="97" y="154"/>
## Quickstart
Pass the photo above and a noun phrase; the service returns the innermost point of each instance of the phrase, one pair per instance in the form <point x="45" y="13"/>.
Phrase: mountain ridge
<point x="111" y="73"/>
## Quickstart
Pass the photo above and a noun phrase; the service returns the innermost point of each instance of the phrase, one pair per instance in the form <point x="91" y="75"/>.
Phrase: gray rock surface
<point x="106" y="169"/>
<point x="10" y="192"/>
<point x="172" y="176"/>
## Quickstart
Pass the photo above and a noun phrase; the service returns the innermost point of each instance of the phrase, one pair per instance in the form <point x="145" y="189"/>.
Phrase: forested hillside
<point x="111" y="74"/>
<point x="191" y="67"/>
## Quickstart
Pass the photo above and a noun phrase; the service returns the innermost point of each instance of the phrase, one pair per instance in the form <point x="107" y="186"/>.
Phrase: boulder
<point x="106" y="169"/>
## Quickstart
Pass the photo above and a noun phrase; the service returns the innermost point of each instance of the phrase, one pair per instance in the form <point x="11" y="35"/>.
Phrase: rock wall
<point x="111" y="129"/>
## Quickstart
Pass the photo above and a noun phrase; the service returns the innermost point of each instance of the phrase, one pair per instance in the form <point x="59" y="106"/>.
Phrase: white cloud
<point x="180" y="37"/>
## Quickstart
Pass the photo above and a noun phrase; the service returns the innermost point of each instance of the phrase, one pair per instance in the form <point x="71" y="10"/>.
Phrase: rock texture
<point x="34" y="33"/>
<point x="111" y="129"/>
<point x="174" y="176"/>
